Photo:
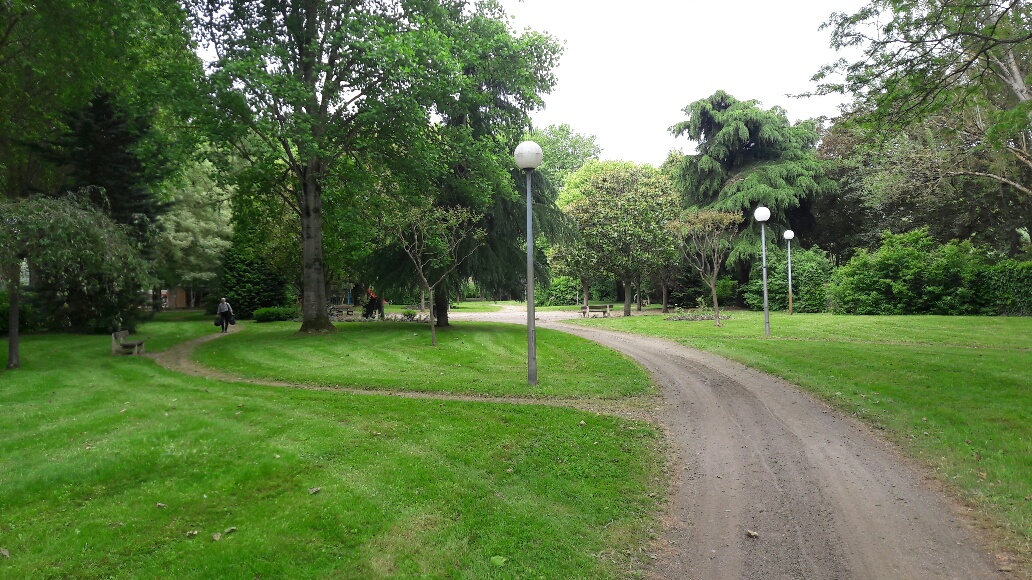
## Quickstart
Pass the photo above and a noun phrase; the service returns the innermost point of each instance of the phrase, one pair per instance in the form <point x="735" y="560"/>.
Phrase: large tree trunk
<point x="585" y="288"/>
<point x="314" y="316"/>
<point x="440" y="302"/>
<point x="628" y="295"/>
<point x="13" y="283"/>
<point x="666" y="298"/>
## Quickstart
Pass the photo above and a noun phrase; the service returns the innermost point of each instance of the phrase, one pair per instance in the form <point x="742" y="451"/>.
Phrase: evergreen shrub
<point x="248" y="284"/>
<point x="811" y="274"/>
<point x="275" y="313"/>
<point x="563" y="291"/>
<point x="912" y="274"/>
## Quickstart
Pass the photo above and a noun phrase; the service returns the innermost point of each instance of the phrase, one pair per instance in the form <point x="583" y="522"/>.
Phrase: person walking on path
<point x="225" y="312"/>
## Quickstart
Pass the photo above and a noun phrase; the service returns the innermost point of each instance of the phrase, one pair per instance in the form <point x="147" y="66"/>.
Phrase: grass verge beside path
<point x="953" y="392"/>
<point x="117" y="468"/>
<point x="470" y="357"/>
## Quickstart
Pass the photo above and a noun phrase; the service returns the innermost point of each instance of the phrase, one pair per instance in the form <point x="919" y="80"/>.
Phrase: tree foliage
<point x="961" y="61"/>
<point x="335" y="89"/>
<point x="55" y="55"/>
<point x="79" y="256"/>
<point x="563" y="152"/>
<point x="194" y="233"/>
<point x="747" y="157"/>
<point x="921" y="57"/>
<point x="620" y="210"/>
<point x="705" y="239"/>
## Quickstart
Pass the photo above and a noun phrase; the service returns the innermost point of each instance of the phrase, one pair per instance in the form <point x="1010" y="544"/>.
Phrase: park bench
<point x="342" y="310"/>
<point x="119" y="345"/>
<point x="605" y="309"/>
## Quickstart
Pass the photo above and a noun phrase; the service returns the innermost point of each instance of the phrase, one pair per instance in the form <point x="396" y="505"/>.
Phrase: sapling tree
<point x="705" y="238"/>
<point x="434" y="238"/>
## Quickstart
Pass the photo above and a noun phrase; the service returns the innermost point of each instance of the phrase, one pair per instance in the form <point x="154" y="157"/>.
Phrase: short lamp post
<point x="762" y="214"/>
<point x="528" y="157"/>
<point x="789" y="234"/>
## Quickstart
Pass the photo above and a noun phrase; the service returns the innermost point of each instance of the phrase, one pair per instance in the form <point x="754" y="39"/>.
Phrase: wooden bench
<point x="605" y="309"/>
<point x="342" y="310"/>
<point x="119" y="345"/>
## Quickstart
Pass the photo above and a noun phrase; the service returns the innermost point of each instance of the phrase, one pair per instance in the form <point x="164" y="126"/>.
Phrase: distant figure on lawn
<point x="225" y="313"/>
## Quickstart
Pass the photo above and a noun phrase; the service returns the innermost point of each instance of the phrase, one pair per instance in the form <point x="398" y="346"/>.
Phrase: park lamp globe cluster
<point x="528" y="157"/>
<point x="762" y="214"/>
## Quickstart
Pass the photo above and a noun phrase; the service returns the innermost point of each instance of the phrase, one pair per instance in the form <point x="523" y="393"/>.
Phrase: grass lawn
<point x="953" y="392"/>
<point x="471" y="357"/>
<point x="115" y="467"/>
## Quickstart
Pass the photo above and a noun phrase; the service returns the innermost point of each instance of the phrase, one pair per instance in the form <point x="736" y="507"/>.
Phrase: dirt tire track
<point x="827" y="498"/>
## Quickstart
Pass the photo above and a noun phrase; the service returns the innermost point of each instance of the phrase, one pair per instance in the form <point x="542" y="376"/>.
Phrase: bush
<point x="275" y="313"/>
<point x="811" y="273"/>
<point x="1007" y="287"/>
<point x="563" y="291"/>
<point x="29" y="318"/>
<point x="727" y="290"/>
<point x="248" y="284"/>
<point x="912" y="274"/>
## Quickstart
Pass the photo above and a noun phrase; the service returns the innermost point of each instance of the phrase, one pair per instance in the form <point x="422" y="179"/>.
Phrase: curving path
<point x="767" y="482"/>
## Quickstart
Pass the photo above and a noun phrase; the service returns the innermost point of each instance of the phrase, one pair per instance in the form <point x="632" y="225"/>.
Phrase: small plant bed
<point x="695" y="314"/>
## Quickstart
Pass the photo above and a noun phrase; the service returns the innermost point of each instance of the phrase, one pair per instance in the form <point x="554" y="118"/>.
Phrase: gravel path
<point x="768" y="483"/>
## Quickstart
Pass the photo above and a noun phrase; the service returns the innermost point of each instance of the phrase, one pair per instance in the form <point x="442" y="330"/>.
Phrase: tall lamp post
<point x="528" y="157"/>
<point x="789" y="234"/>
<point x="762" y="214"/>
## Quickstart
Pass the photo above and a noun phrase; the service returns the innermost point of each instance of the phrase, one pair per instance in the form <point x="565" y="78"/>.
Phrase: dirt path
<point x="824" y="497"/>
<point x="767" y="482"/>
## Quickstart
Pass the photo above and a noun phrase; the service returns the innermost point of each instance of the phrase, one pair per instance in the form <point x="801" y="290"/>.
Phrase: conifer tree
<point x="748" y="156"/>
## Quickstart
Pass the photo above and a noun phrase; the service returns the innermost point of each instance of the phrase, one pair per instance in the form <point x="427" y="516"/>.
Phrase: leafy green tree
<point x="747" y="157"/>
<point x="55" y="55"/>
<point x="433" y="238"/>
<point x="248" y="283"/>
<point x="705" y="241"/>
<point x="921" y="59"/>
<point x="74" y="250"/>
<point x="194" y="233"/>
<point x="910" y="180"/>
<point x="332" y="89"/>
<point x="564" y="151"/>
<point x="621" y="210"/>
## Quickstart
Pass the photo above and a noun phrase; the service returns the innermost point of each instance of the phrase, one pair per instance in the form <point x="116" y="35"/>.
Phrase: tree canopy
<point x="747" y="157"/>
<point x="620" y="210"/>
<point x="335" y="90"/>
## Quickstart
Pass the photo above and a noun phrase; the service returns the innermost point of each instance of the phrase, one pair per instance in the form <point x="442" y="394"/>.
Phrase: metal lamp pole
<point x="789" y="234"/>
<point x="762" y="214"/>
<point x="528" y="156"/>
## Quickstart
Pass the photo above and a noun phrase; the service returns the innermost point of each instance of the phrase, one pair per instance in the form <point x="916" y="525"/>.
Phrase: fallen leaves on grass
<point x="499" y="560"/>
<point x="161" y="505"/>
<point x="5" y="553"/>
<point x="314" y="490"/>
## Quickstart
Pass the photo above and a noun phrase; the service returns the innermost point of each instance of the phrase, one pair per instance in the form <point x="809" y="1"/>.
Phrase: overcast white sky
<point x="629" y="68"/>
